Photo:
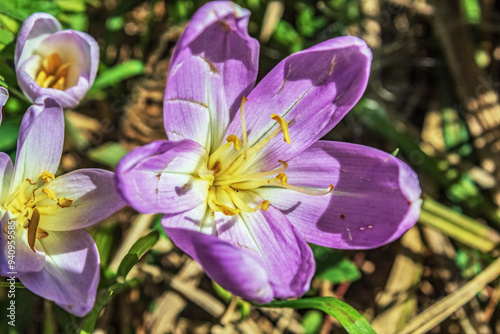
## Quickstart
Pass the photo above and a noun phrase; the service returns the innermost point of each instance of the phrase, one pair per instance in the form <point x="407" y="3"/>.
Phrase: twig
<point x="439" y="311"/>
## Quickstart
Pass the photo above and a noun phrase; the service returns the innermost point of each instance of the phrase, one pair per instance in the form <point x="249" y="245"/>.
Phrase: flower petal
<point x="197" y="219"/>
<point x="94" y="198"/>
<point x="71" y="271"/>
<point x="312" y="89"/>
<point x="374" y="201"/>
<point x="5" y="176"/>
<point x="231" y="267"/>
<point x="26" y="260"/>
<point x="218" y="33"/>
<point x="40" y="141"/>
<point x="270" y="236"/>
<point x="159" y="177"/>
<point x="4" y="96"/>
<point x="195" y="106"/>
<point x="33" y="31"/>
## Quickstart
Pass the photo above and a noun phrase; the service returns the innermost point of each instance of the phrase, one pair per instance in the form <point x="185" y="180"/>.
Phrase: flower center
<point x="231" y="187"/>
<point x="52" y="73"/>
<point x="31" y="200"/>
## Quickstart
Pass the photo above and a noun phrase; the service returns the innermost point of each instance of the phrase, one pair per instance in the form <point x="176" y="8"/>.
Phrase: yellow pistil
<point x="31" y="201"/>
<point x="231" y="188"/>
<point x="52" y="73"/>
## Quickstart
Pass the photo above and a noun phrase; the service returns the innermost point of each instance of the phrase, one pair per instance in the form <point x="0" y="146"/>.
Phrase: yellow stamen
<point x="41" y="234"/>
<point x="50" y="194"/>
<point x="229" y="179"/>
<point x="47" y="177"/>
<point x="244" y="126"/>
<point x="40" y="78"/>
<point x="59" y="84"/>
<point x="50" y="79"/>
<point x="52" y="62"/>
<point x="236" y="141"/>
<point x="64" y="202"/>
<point x="301" y="189"/>
<point x="241" y="204"/>
<point x="282" y="177"/>
<point x="52" y="73"/>
<point x="284" y="127"/>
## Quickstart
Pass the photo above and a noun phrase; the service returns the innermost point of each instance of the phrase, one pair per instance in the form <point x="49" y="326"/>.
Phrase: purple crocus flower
<point x="244" y="182"/>
<point x="43" y="242"/>
<point x="54" y="62"/>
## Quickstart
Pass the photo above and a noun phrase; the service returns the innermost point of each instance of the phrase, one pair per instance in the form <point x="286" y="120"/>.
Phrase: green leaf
<point x="102" y="299"/>
<point x="472" y="11"/>
<point x="348" y="317"/>
<point x="71" y="6"/>
<point x="18" y="285"/>
<point x="6" y="36"/>
<point x="108" y="154"/>
<point x="118" y="73"/>
<point x="9" y="130"/>
<point x="136" y="252"/>
<point x="312" y="322"/>
<point x="332" y="266"/>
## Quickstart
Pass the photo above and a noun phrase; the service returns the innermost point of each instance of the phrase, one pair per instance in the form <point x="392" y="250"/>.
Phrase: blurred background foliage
<point x="432" y="100"/>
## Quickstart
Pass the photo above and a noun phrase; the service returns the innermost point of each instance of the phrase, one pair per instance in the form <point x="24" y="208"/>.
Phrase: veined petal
<point x="33" y="31"/>
<point x="374" y="201"/>
<point x="270" y="236"/>
<point x="231" y="267"/>
<point x="218" y="33"/>
<point x="25" y="259"/>
<point x="312" y="90"/>
<point x="94" y="198"/>
<point x="40" y="141"/>
<point x="161" y="177"/>
<point x="4" y="96"/>
<point x="5" y="176"/>
<point x="195" y="106"/>
<point x="71" y="271"/>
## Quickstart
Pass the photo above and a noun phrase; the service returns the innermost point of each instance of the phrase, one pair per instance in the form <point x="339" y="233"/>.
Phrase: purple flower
<point x="244" y="183"/>
<point x="54" y="62"/>
<point x="43" y="241"/>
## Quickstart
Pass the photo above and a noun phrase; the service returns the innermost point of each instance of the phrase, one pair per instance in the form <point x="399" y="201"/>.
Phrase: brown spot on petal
<point x="213" y="69"/>
<point x="225" y="25"/>
<point x="342" y="217"/>
<point x="332" y="66"/>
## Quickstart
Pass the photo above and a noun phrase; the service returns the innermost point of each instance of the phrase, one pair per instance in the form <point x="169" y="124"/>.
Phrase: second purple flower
<point x="244" y="183"/>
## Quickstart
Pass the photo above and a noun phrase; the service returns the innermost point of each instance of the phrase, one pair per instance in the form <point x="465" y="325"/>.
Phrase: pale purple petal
<point x="6" y="169"/>
<point x="374" y="201"/>
<point x="74" y="47"/>
<point x="195" y="106"/>
<point x="4" y="96"/>
<point x="312" y="89"/>
<point x="270" y="236"/>
<point x="231" y="267"/>
<point x="40" y="141"/>
<point x="196" y="219"/>
<point x="33" y="31"/>
<point x="94" y="198"/>
<point x="71" y="272"/>
<point x="26" y="260"/>
<point x="218" y="33"/>
<point x="160" y="177"/>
